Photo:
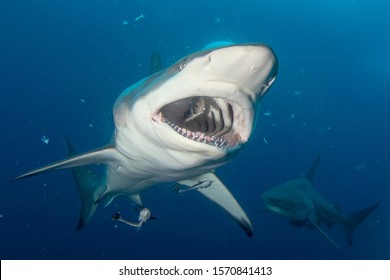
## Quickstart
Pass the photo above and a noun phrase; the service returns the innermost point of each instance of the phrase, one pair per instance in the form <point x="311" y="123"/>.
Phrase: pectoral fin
<point x="324" y="233"/>
<point x="102" y="155"/>
<point x="220" y="195"/>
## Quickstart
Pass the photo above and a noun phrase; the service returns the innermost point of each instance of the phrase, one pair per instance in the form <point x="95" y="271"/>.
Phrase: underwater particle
<point x="265" y="140"/>
<point x="1" y="216"/>
<point x="45" y="139"/>
<point x="297" y="92"/>
<point x="292" y="115"/>
<point x="82" y="100"/>
<point x="268" y="113"/>
<point x="125" y="22"/>
<point x="90" y="125"/>
<point x="139" y="17"/>
<point x="360" y="167"/>
<point x="217" y="19"/>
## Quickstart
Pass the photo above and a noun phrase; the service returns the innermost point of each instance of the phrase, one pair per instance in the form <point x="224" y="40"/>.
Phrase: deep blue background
<point x="331" y="97"/>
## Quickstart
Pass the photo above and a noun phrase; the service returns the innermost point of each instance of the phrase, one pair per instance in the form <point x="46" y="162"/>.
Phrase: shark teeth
<point x="218" y="142"/>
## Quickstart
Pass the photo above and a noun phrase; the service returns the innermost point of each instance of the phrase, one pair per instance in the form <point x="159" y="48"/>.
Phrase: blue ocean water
<point x="63" y="63"/>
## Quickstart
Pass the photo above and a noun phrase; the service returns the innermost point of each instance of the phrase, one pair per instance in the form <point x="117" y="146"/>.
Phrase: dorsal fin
<point x="313" y="168"/>
<point x="155" y="63"/>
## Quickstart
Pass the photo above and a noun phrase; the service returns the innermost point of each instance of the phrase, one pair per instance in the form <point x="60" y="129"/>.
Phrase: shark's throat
<point x="209" y="120"/>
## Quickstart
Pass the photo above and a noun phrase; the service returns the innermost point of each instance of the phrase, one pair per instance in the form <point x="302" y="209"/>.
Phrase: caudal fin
<point x="354" y="219"/>
<point x="88" y="187"/>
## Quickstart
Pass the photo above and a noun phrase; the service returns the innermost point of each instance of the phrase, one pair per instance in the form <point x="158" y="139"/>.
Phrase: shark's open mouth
<point x="213" y="121"/>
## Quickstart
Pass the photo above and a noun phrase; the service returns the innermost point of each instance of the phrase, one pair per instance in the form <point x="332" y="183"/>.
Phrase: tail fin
<point x="88" y="187"/>
<point x="313" y="168"/>
<point x="354" y="219"/>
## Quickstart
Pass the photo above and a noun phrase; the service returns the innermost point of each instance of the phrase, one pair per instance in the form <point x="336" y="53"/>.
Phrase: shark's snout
<point x="252" y="67"/>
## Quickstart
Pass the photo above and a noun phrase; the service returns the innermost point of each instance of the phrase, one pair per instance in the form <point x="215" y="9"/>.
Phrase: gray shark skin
<point x="299" y="202"/>
<point x="178" y="125"/>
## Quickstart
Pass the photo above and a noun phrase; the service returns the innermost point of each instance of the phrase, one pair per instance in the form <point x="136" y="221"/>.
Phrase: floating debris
<point x="297" y="92"/>
<point x="265" y="140"/>
<point x="292" y="115"/>
<point x="125" y="22"/>
<point x="82" y="100"/>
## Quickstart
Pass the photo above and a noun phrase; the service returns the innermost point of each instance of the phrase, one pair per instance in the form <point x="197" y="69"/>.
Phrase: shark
<point x="300" y="203"/>
<point x="178" y="125"/>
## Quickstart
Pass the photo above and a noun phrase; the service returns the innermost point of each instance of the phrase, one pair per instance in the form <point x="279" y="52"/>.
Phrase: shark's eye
<point x="183" y="64"/>
<point x="116" y="216"/>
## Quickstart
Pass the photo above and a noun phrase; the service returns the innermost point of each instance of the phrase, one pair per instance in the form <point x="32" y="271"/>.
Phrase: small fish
<point x="144" y="216"/>
<point x="268" y="113"/>
<point x="45" y="139"/>
<point x="139" y="17"/>
<point x="179" y="188"/>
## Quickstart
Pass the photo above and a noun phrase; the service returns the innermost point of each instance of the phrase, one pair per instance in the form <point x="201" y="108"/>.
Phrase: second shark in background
<point x="299" y="202"/>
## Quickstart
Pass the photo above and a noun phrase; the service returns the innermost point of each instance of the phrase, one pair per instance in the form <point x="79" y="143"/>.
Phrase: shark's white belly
<point x="134" y="176"/>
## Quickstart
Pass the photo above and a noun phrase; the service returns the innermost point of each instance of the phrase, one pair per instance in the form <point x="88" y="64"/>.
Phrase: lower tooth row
<point x="198" y="136"/>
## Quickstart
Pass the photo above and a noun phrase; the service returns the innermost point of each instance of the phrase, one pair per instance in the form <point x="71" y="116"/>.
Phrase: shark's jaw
<point x="290" y="205"/>
<point x="287" y="209"/>
<point x="203" y="119"/>
<point x="204" y="103"/>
